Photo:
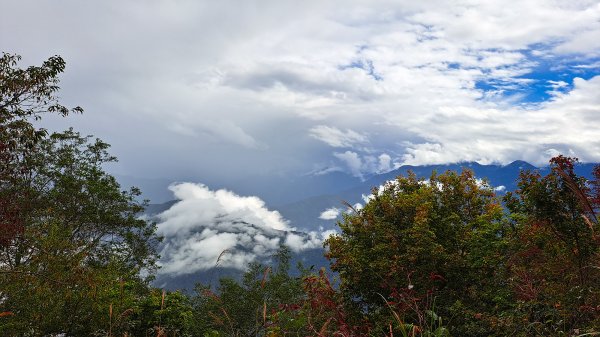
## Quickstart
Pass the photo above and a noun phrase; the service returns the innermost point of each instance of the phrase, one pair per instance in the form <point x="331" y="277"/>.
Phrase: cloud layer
<point x="218" y="89"/>
<point x="206" y="228"/>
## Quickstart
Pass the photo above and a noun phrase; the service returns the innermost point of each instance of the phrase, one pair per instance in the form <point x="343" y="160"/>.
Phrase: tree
<point x="25" y="94"/>
<point x="248" y="308"/>
<point x="163" y="314"/>
<point x="69" y="238"/>
<point x="423" y="244"/>
<point x="554" y="254"/>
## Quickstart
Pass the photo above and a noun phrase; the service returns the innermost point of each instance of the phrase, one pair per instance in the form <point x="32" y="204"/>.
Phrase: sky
<point x="232" y="89"/>
<point x="219" y="93"/>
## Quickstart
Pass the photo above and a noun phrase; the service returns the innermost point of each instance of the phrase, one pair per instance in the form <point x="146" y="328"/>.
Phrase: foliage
<point x="25" y="94"/>
<point x="553" y="260"/>
<point x="163" y="313"/>
<point x="70" y="239"/>
<point x="314" y="307"/>
<point x="442" y="257"/>
<point x="417" y="240"/>
<point x="270" y="302"/>
<point x="244" y="309"/>
<point x="322" y="312"/>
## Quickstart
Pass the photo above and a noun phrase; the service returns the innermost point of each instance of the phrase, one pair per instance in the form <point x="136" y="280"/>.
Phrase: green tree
<point x="246" y="308"/>
<point x="25" y="94"/>
<point x="70" y="239"/>
<point x="554" y="255"/>
<point x="420" y="245"/>
<point x="163" y="313"/>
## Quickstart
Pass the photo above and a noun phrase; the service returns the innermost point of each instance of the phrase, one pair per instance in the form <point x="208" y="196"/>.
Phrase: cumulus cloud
<point x="360" y="164"/>
<point x="352" y="160"/>
<point x="206" y="227"/>
<point x="385" y="163"/>
<point x="330" y="213"/>
<point x="501" y="134"/>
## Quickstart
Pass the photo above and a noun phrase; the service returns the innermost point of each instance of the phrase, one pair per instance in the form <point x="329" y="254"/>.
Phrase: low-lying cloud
<point x="205" y="228"/>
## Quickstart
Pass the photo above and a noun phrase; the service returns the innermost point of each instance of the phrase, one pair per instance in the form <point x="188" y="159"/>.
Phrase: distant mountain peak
<point x="523" y="165"/>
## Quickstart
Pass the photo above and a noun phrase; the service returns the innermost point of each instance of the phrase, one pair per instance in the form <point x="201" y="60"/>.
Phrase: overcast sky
<point x="220" y="90"/>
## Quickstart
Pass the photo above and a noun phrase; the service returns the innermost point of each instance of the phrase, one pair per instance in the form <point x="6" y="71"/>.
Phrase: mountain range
<point x="305" y="213"/>
<point x="304" y="207"/>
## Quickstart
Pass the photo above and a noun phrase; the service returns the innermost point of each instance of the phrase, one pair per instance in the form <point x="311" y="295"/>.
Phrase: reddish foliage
<point x="11" y="223"/>
<point x="436" y="277"/>
<point x="285" y="307"/>
<point x="524" y="287"/>
<point x="556" y="247"/>
<point x="595" y="183"/>
<point x="327" y="315"/>
<point x="563" y="163"/>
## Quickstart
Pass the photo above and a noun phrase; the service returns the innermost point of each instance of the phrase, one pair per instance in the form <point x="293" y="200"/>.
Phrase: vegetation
<point x="553" y="267"/>
<point x="71" y="245"/>
<point x="423" y="241"/>
<point x="437" y="257"/>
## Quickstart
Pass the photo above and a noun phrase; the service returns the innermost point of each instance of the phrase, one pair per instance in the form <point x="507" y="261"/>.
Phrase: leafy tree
<point x="70" y="240"/>
<point x="163" y="314"/>
<point x="25" y="94"/>
<point x="322" y="311"/>
<point x="246" y="308"/>
<point x="554" y="253"/>
<point x="420" y="245"/>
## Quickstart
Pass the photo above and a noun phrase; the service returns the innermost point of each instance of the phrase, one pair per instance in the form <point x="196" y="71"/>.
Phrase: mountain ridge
<point x="303" y="214"/>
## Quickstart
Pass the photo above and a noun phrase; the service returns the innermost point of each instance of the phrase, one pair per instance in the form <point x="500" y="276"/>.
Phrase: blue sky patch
<point x="366" y="65"/>
<point x="551" y="74"/>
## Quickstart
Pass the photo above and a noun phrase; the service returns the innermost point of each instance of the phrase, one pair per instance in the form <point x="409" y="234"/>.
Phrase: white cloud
<point x="336" y="137"/>
<point x="330" y="214"/>
<point x="206" y="227"/>
<point x="583" y="42"/>
<point x="557" y="84"/>
<point x="311" y="241"/>
<point x="400" y="78"/>
<point x="566" y="124"/>
<point x="588" y="66"/>
<point x="352" y="160"/>
<point x="356" y="207"/>
<point x="365" y="163"/>
<point x="388" y="184"/>
<point x="298" y="242"/>
<point x="385" y="163"/>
